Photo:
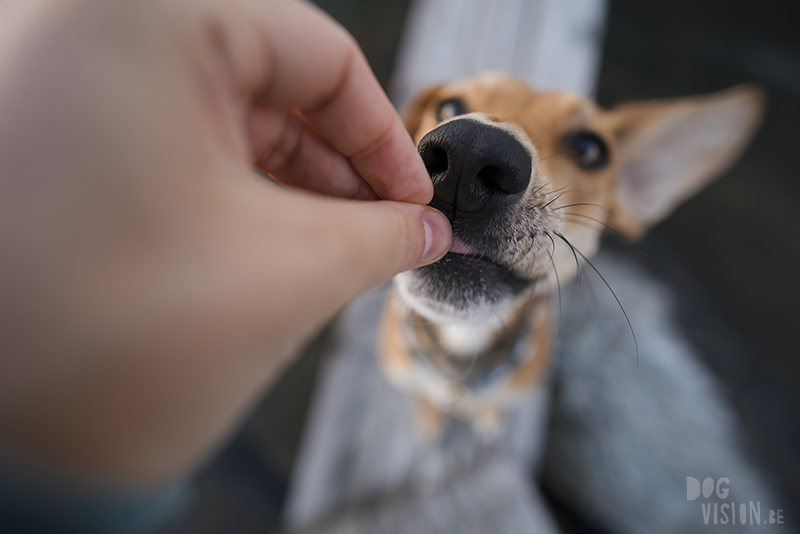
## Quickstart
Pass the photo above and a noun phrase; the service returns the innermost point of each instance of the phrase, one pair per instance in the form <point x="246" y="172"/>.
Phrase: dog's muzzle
<point x="477" y="169"/>
<point x="481" y="175"/>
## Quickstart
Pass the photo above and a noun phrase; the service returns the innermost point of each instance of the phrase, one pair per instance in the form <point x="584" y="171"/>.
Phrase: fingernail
<point x="438" y="236"/>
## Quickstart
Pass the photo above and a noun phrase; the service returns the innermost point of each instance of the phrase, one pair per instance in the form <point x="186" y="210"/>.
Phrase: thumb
<point x="377" y="240"/>
<point x="318" y="253"/>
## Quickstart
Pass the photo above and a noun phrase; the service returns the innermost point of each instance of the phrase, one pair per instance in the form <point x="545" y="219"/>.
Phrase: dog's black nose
<point x="477" y="169"/>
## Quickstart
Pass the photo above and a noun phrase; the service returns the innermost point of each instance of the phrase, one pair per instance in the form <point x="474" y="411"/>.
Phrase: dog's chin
<point x="461" y="288"/>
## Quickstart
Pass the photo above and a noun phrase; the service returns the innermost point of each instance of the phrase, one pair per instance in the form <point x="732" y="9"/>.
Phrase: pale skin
<point x="151" y="284"/>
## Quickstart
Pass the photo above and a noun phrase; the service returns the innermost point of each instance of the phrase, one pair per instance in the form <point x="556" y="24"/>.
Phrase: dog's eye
<point x="452" y="107"/>
<point x="587" y="150"/>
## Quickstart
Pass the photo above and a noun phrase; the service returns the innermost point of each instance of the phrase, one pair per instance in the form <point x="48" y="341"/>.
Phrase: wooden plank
<point x="551" y="44"/>
<point x="489" y="496"/>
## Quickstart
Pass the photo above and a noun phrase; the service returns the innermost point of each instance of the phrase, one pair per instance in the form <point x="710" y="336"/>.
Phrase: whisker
<point x="621" y="307"/>
<point x="558" y="281"/>
<point x="579" y="272"/>
<point x="553" y="155"/>
<point x="535" y="139"/>
<point x="554" y="191"/>
<point x="586" y="225"/>
<point x="610" y="229"/>
<point x="521" y="255"/>
<point x="560" y="189"/>
<point x="561" y="195"/>
<point x="545" y="206"/>
<point x="535" y="191"/>
<point x="581" y="204"/>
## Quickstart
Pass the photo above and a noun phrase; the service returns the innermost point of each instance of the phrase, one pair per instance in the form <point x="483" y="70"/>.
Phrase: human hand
<point x="151" y="283"/>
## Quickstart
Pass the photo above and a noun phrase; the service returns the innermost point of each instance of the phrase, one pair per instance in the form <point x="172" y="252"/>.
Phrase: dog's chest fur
<point x="477" y="384"/>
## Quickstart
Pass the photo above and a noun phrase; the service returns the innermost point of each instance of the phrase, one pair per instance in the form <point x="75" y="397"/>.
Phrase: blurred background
<point x="731" y="254"/>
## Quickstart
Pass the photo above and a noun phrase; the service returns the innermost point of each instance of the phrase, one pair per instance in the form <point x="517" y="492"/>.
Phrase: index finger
<point x="315" y="65"/>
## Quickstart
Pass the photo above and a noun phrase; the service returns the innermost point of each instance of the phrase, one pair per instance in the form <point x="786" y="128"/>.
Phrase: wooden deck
<point x="551" y="44"/>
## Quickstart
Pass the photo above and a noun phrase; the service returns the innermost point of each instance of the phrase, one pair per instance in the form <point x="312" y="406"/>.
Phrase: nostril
<point x="477" y="169"/>
<point x="505" y="180"/>
<point x="435" y="159"/>
<point x="491" y="179"/>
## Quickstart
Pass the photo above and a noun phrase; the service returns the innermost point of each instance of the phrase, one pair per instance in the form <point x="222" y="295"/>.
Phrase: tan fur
<point x="395" y="358"/>
<point x="533" y="370"/>
<point x="661" y="153"/>
<point x="429" y="418"/>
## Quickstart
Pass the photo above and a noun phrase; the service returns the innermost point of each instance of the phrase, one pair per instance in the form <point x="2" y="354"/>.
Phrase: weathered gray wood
<point x="489" y="496"/>
<point x="551" y="44"/>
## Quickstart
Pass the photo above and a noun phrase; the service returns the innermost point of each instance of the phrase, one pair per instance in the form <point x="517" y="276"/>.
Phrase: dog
<point x="529" y="180"/>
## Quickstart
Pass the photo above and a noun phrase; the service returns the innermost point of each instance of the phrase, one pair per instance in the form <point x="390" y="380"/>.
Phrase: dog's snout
<point x="477" y="169"/>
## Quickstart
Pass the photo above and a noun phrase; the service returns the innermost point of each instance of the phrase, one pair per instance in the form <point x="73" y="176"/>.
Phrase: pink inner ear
<point x="460" y="247"/>
<point x="678" y="147"/>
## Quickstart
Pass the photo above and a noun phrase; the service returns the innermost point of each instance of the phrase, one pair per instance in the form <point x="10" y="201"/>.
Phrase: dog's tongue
<point x="460" y="247"/>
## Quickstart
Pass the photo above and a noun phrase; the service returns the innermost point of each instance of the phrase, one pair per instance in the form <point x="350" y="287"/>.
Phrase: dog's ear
<point x="415" y="110"/>
<point x="669" y="150"/>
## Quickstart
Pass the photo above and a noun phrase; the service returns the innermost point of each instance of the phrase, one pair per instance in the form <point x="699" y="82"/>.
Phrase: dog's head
<point x="525" y="176"/>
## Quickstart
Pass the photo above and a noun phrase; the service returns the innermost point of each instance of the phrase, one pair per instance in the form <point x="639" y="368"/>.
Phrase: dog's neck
<point x="462" y="352"/>
<point x="465" y="340"/>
